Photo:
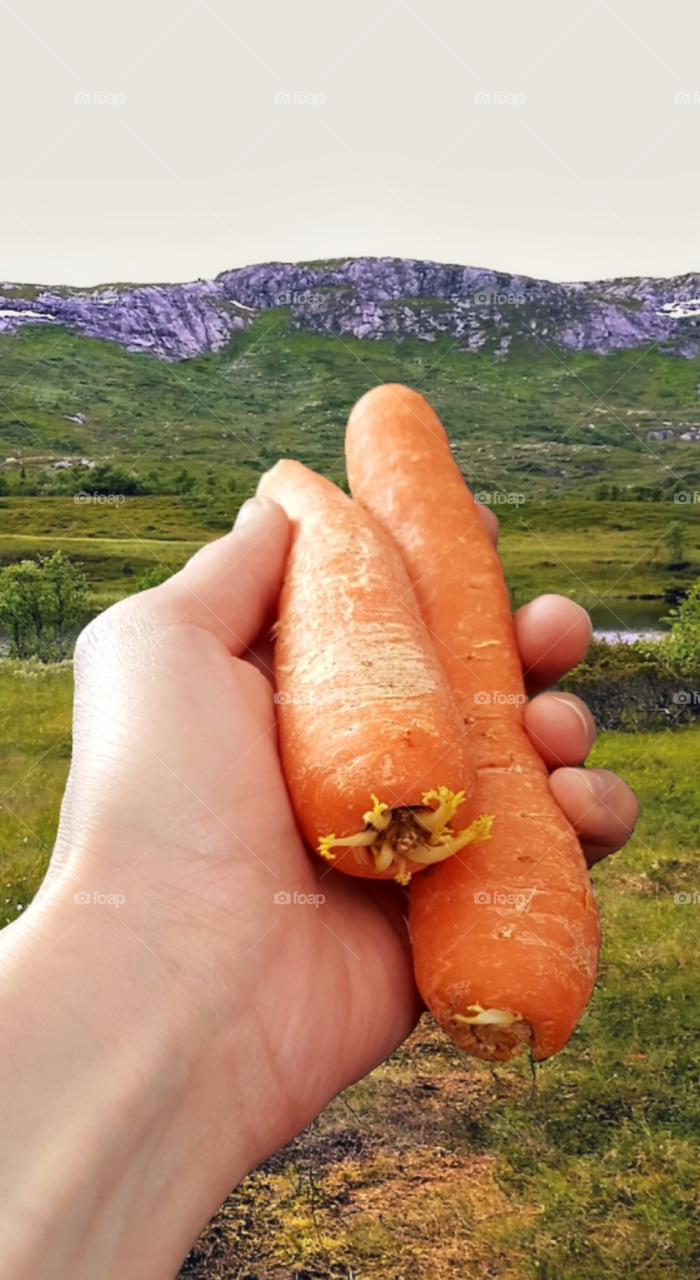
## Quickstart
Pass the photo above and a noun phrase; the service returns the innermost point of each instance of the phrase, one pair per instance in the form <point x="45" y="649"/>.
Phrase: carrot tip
<point x="477" y="1015"/>
<point x="395" y="837"/>
<point x="496" y="1035"/>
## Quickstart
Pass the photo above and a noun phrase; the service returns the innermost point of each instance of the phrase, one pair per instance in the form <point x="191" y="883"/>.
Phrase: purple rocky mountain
<point x="374" y="298"/>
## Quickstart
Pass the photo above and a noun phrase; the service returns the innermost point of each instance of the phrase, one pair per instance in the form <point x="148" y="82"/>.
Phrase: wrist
<point x="101" y="1167"/>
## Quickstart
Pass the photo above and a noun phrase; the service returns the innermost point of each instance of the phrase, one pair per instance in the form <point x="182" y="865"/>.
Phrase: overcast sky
<point x="581" y="166"/>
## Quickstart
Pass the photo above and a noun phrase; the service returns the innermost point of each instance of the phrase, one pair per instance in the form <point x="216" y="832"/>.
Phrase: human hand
<point x="230" y="1018"/>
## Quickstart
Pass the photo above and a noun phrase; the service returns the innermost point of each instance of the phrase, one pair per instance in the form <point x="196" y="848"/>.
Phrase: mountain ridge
<point x="375" y="299"/>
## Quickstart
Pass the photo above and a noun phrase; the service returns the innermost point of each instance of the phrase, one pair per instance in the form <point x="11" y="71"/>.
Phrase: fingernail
<point x="598" y="784"/>
<point x="251" y="507"/>
<point x="573" y="706"/>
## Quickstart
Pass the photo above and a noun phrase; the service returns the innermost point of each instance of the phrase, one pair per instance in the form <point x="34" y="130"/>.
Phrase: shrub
<point x="41" y="604"/>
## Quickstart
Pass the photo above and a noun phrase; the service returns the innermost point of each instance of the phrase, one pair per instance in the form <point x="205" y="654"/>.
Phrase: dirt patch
<point x="391" y="1182"/>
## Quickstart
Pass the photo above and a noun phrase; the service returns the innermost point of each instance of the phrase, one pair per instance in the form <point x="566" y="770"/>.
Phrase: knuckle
<point x="101" y="630"/>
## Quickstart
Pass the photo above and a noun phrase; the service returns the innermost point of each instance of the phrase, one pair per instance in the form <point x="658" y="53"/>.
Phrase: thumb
<point x="230" y="587"/>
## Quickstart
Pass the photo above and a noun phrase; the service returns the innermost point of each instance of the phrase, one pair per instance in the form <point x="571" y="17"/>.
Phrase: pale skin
<point x="156" y="1051"/>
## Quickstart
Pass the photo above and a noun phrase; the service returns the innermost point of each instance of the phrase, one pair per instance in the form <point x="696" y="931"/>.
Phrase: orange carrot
<point x="370" y="736"/>
<point x="506" y="935"/>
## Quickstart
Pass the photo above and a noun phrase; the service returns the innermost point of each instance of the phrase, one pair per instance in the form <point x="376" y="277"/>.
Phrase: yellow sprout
<point x="422" y="835"/>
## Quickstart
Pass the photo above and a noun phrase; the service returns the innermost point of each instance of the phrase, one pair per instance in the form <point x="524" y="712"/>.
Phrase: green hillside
<point x="540" y="421"/>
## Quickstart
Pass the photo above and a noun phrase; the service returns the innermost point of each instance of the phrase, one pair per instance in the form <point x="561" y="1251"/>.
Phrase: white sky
<point x="595" y="174"/>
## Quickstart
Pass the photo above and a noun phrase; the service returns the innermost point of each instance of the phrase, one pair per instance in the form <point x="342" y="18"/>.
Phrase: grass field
<point x="438" y="1166"/>
<point x="435" y="1166"/>
<point x="542" y="421"/>
<point x="586" y="550"/>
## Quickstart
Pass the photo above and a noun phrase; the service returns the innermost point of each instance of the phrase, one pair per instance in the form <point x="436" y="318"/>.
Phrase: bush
<point x="631" y="687"/>
<point x="152" y="578"/>
<point x="41" y="604"/>
<point x="681" y="648"/>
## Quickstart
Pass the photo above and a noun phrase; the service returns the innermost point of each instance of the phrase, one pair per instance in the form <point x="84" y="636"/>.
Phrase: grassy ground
<point x="436" y="1166"/>
<point x="36" y="702"/>
<point x="587" y="550"/>
<point x="541" y="421"/>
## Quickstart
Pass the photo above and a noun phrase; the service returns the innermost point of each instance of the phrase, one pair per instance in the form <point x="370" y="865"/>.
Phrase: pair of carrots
<point x="402" y="738"/>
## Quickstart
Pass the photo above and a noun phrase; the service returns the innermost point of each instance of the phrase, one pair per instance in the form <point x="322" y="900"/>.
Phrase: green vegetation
<point x="184" y="444"/>
<point x="36" y="700"/>
<point x="539" y="421"/>
<point x="41" y="603"/>
<point x="546" y="546"/>
<point x="681" y="648"/>
<point x="437" y="1165"/>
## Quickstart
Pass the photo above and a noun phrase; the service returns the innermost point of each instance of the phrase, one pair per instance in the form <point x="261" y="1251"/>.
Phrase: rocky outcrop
<point x="375" y="298"/>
